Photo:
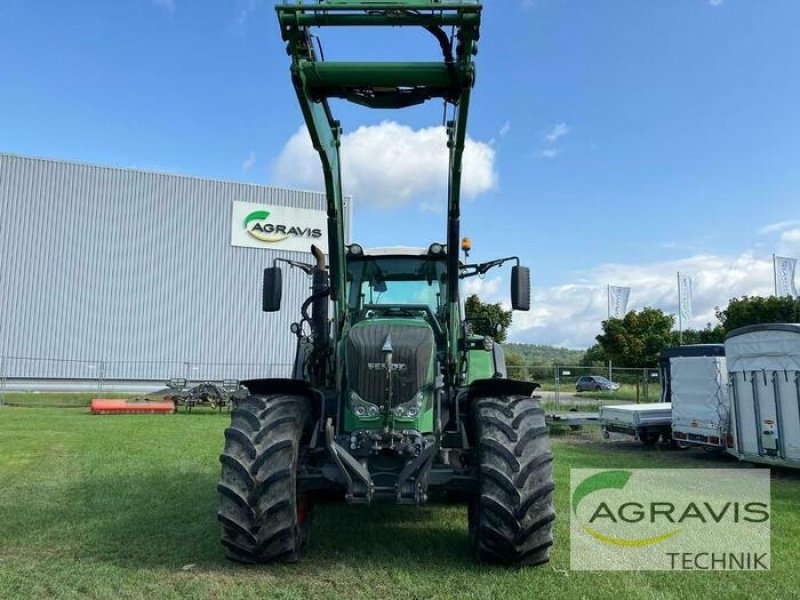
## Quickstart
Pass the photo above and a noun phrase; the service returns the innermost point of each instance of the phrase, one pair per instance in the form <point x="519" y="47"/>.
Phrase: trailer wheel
<point x="263" y="517"/>
<point x="511" y="518"/>
<point x="649" y="438"/>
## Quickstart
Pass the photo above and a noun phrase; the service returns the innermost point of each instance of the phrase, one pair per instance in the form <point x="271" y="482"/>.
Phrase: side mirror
<point x="520" y="288"/>
<point x="272" y="290"/>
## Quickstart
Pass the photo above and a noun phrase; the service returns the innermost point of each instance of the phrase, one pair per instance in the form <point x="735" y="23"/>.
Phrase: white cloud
<point x="489" y="290"/>
<point x="789" y="243"/>
<point x="715" y="2"/>
<point x="558" y="131"/>
<point x="505" y="129"/>
<point x="249" y="162"/>
<point x="569" y="315"/>
<point x="389" y="164"/>
<point x="549" y="153"/>
<point x="779" y="226"/>
<point x="247" y="9"/>
<point x="168" y="5"/>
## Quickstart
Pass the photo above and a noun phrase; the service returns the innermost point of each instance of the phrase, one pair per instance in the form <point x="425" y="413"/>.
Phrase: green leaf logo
<point x="262" y="234"/>
<point x="600" y="481"/>
<point x="611" y="480"/>
<point x="258" y="215"/>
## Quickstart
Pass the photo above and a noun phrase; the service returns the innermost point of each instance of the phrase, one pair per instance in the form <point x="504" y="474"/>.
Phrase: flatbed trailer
<point x="572" y="418"/>
<point x="645" y="422"/>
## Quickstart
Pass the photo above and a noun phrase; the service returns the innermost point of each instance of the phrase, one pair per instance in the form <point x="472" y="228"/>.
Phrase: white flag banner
<point x="685" y="296"/>
<point x="784" y="276"/>
<point x="618" y="301"/>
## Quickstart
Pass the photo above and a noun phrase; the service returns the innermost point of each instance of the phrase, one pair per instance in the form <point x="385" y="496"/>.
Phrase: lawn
<point x="626" y="391"/>
<point x="56" y="399"/>
<point x="124" y="506"/>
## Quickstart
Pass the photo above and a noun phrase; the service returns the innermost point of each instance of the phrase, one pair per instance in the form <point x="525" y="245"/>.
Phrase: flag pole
<point x="775" y="273"/>
<point x="680" y="320"/>
<point x="608" y="303"/>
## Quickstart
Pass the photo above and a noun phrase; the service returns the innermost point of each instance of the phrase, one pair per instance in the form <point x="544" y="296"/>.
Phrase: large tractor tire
<point x="263" y="517"/>
<point x="511" y="519"/>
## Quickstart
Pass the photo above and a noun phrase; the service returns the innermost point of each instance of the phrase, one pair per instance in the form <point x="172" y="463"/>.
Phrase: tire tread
<point x="512" y="520"/>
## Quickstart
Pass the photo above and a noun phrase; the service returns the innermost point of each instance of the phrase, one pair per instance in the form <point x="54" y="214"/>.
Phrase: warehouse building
<point x="127" y="274"/>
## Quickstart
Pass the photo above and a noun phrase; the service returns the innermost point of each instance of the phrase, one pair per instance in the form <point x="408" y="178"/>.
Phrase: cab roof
<point x="396" y="251"/>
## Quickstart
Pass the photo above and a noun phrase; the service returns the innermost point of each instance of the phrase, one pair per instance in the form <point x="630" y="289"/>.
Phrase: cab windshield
<point x="396" y="280"/>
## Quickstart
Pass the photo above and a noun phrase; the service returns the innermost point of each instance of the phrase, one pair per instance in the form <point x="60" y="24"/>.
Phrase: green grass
<point x="117" y="506"/>
<point x="626" y="392"/>
<point x="57" y="399"/>
<point x="565" y="406"/>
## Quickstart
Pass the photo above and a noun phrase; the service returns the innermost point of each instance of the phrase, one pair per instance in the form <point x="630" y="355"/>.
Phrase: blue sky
<point x="615" y="141"/>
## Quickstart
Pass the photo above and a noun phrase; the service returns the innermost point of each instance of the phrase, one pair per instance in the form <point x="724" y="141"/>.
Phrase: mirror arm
<point x="483" y="268"/>
<point x="305" y="267"/>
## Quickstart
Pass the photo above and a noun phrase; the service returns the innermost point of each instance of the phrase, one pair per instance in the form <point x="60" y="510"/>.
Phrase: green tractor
<point x="391" y="398"/>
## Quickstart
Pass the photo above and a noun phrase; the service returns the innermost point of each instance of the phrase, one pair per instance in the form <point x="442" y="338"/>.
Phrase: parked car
<point x="595" y="383"/>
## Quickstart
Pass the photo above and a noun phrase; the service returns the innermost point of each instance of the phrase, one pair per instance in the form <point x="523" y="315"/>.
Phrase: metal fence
<point x="25" y="374"/>
<point x="22" y="374"/>
<point x="559" y="383"/>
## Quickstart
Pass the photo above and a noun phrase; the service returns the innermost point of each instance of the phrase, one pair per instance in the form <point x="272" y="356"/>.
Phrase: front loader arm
<point x="325" y="134"/>
<point x="456" y="138"/>
<point x="384" y="85"/>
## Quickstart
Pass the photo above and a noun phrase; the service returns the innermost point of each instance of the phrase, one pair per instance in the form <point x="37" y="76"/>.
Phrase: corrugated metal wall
<point x="100" y="263"/>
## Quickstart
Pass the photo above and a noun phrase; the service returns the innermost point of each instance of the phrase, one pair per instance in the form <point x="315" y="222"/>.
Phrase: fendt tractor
<point x="392" y="398"/>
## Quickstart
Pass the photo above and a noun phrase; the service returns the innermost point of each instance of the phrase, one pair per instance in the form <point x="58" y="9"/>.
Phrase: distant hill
<point x="533" y="354"/>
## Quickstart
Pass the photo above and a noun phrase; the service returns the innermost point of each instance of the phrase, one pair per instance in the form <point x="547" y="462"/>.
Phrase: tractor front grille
<point x="412" y="352"/>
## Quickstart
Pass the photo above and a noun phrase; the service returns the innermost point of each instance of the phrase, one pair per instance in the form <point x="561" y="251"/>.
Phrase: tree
<point x="708" y="335"/>
<point x="594" y="356"/>
<point x="750" y="310"/>
<point x="637" y="339"/>
<point x="488" y="315"/>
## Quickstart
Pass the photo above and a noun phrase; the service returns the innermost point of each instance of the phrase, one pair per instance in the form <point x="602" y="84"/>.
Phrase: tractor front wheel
<point x="263" y="517"/>
<point x="511" y="518"/>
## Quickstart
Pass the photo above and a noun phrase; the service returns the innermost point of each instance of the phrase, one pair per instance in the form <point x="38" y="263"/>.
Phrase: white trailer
<point x="764" y="374"/>
<point x="645" y="422"/>
<point x="700" y="405"/>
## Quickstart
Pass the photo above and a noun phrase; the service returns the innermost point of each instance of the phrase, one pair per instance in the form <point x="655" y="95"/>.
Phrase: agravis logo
<point x="669" y="519"/>
<point x="257" y="227"/>
<point x="629" y="511"/>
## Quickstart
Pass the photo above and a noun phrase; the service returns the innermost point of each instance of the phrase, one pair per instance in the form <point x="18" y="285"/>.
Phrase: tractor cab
<point x="395" y="341"/>
<point x="408" y="281"/>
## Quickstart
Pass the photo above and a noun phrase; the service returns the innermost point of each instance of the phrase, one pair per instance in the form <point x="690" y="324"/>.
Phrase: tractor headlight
<point x="355" y="250"/>
<point x="412" y="408"/>
<point x="363" y="409"/>
<point x="436" y="249"/>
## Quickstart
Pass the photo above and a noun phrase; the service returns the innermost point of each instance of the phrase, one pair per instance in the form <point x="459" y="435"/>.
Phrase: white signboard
<point x="278" y="227"/>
